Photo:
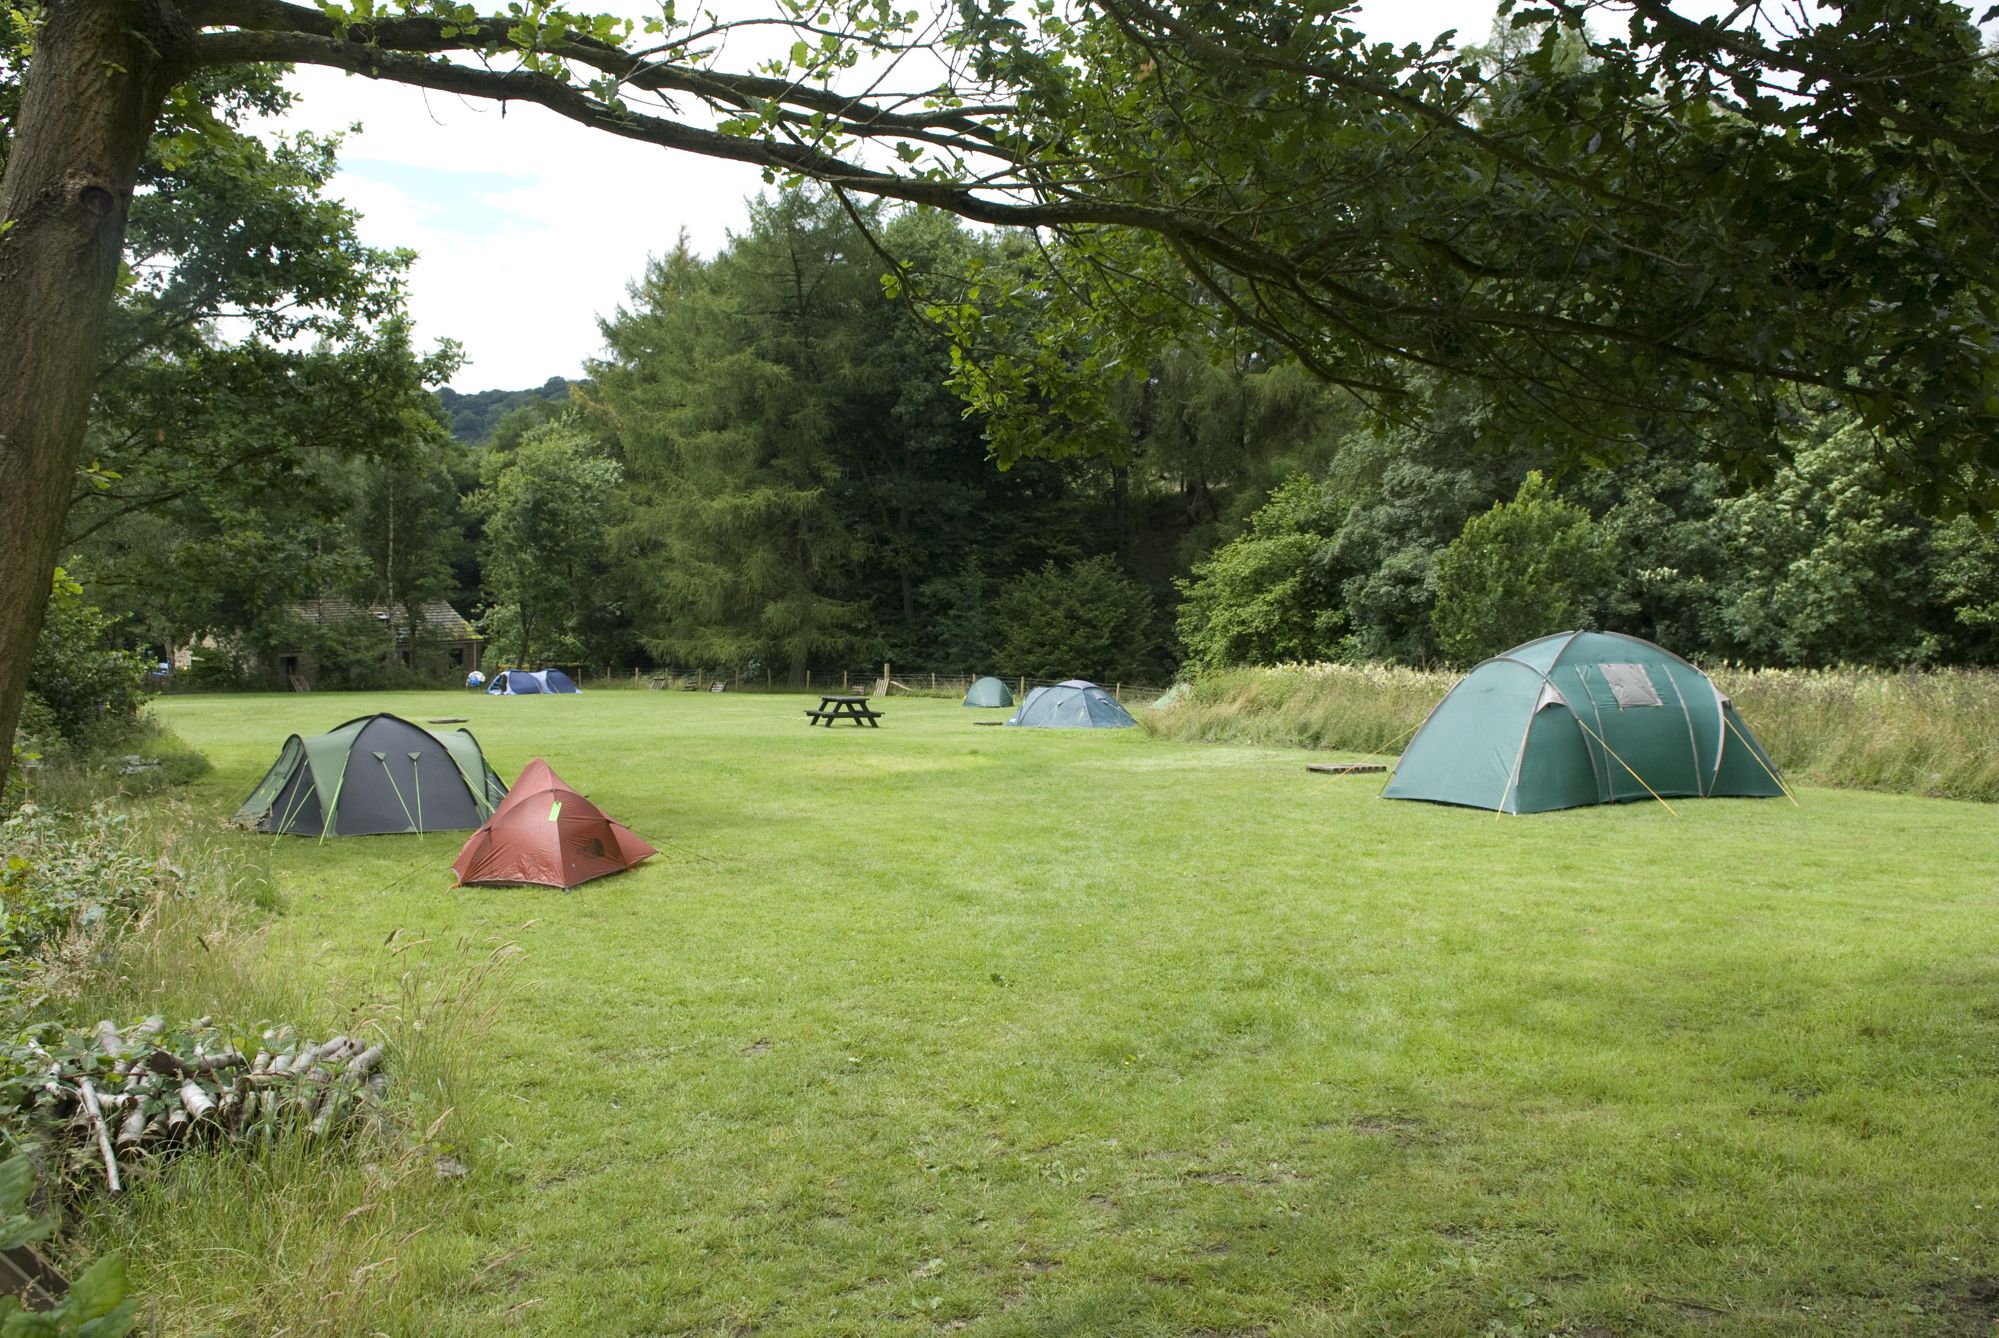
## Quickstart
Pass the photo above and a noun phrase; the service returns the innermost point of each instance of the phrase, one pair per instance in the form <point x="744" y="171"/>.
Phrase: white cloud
<point x="529" y="226"/>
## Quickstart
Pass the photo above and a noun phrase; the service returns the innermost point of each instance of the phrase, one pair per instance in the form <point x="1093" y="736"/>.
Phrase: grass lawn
<point x="940" y="1028"/>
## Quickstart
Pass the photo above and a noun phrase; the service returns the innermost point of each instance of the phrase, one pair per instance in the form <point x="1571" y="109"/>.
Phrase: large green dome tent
<point x="1073" y="704"/>
<point x="1582" y="718"/>
<point x="988" y="691"/>
<point x="374" y="775"/>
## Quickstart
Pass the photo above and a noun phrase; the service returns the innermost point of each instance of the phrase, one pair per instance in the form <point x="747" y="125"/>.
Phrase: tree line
<point x="768" y="470"/>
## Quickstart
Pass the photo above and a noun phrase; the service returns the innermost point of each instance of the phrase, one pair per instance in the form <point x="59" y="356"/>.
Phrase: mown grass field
<point x="940" y="1028"/>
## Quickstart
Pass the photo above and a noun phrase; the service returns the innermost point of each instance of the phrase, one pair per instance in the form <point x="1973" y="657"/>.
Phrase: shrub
<point x="88" y="692"/>
<point x="1526" y="568"/>
<point x="64" y="877"/>
<point x="1088" y="618"/>
<point x="1265" y="598"/>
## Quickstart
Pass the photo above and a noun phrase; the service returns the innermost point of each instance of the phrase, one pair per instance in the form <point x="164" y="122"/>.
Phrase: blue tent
<point x="1074" y="704"/>
<point x="522" y="682"/>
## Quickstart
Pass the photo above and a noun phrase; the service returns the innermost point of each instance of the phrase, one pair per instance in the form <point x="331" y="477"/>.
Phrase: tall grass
<point x="1351" y="708"/>
<point x="302" y="1235"/>
<point x="1933" y="732"/>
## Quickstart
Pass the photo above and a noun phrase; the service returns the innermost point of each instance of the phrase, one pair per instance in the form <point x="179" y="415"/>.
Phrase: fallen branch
<point x="89" y="1095"/>
<point x="166" y="1088"/>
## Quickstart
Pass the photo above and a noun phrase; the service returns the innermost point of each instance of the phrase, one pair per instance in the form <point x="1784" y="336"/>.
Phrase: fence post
<point x="1023" y="685"/>
<point x="766" y="678"/>
<point x="843" y="680"/>
<point x="1117" y="691"/>
<point x="933" y="682"/>
<point x="739" y="678"/>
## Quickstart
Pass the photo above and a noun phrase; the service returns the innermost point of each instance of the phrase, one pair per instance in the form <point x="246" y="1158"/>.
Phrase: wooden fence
<point x="900" y="682"/>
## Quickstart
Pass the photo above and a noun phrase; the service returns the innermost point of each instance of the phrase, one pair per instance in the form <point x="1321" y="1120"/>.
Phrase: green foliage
<point x="1404" y="492"/>
<point x="351" y="654"/>
<point x="545" y="506"/>
<point x="803" y="487"/>
<point x="1265" y="597"/>
<point x="221" y="459"/>
<point x="1086" y="620"/>
<point x="757" y="370"/>
<point x="263" y="486"/>
<point x="63" y="875"/>
<point x="1542" y="215"/>
<point x="1967" y="576"/>
<point x="961" y="630"/>
<point x="409" y="530"/>
<point x="98" y="1304"/>
<point x="476" y="419"/>
<point x="19" y="1224"/>
<point x="88" y="692"/>
<point x="1522" y="570"/>
<point x="1830" y="564"/>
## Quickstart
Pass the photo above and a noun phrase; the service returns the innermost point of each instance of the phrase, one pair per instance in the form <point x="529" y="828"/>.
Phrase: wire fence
<point x="858" y="682"/>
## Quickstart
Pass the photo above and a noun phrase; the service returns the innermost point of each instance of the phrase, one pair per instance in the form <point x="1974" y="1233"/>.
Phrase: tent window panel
<point x="1631" y="685"/>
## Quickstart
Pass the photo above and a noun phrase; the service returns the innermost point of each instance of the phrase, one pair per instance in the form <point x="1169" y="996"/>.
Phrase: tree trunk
<point x="92" y="91"/>
<point x="902" y="550"/>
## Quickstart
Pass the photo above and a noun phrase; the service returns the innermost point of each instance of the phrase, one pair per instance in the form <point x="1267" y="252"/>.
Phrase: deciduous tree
<point x="1524" y="569"/>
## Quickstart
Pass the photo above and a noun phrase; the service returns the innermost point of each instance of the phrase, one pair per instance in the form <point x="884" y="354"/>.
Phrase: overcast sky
<point x="528" y="227"/>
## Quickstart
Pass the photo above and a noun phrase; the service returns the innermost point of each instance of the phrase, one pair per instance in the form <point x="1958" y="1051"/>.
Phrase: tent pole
<point x="416" y="771"/>
<point x="1519" y="757"/>
<point x="1383" y="752"/>
<point x="1759" y="762"/>
<point x="398" y="790"/>
<point x="1627" y="766"/>
<point x="326" y="818"/>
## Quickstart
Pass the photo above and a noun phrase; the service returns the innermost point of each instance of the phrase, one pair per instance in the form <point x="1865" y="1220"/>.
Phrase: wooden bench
<point x="843" y="708"/>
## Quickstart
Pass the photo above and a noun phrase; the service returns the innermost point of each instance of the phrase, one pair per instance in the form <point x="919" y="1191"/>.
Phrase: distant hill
<point x="474" y="416"/>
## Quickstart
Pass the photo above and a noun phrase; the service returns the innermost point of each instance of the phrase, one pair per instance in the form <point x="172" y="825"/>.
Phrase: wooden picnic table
<point x="838" y="707"/>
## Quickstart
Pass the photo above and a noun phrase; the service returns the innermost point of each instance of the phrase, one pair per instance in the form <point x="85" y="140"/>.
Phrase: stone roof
<point x="439" y="618"/>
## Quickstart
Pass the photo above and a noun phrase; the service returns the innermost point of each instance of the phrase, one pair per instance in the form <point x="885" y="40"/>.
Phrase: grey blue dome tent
<point x="1582" y="718"/>
<point x="523" y="683"/>
<point x="988" y="691"/>
<point x="372" y="776"/>
<point x="1074" y="704"/>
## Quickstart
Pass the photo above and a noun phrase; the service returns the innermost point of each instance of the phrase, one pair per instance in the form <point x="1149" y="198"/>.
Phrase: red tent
<point x="544" y="832"/>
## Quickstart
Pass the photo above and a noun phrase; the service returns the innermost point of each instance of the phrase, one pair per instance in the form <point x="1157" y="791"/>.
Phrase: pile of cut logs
<point x="108" y="1094"/>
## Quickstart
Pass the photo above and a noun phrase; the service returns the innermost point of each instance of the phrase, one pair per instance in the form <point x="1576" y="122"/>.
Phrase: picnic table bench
<point x="843" y="708"/>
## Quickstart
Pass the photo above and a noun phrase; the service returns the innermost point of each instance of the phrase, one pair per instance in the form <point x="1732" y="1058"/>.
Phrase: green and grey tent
<point x="1072" y="704"/>
<point x="1582" y="718"/>
<point x="374" y="775"/>
<point x="988" y="691"/>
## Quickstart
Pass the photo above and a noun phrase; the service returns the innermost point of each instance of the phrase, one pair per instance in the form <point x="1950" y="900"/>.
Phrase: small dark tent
<point x="1073" y="704"/>
<point x="1582" y="718"/>
<point x="988" y="691"/>
<point x="371" y="776"/>
<point x="545" y="832"/>
<point x="522" y="683"/>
